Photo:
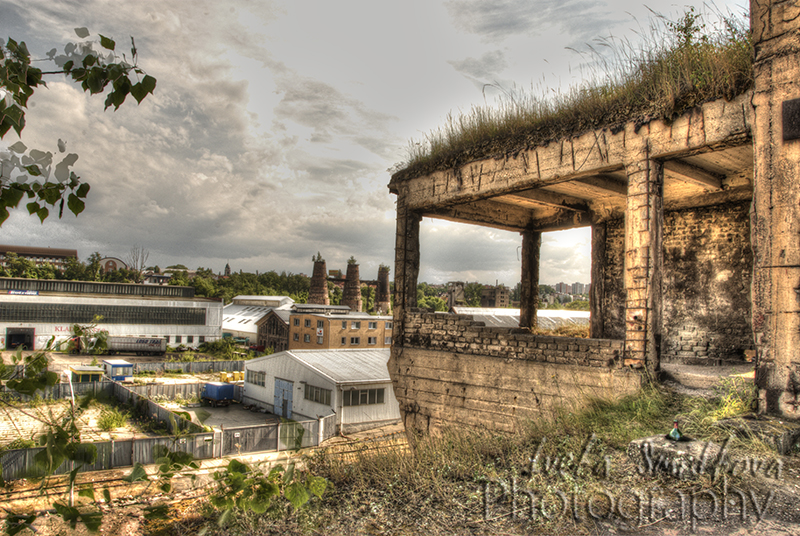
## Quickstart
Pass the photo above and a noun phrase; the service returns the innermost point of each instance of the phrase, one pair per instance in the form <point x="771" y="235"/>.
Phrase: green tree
<point x="472" y="294"/>
<point x="36" y="174"/>
<point x="20" y="266"/>
<point x="367" y="298"/>
<point x="93" y="267"/>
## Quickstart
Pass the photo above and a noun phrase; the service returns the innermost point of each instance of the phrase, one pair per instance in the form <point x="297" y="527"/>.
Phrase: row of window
<point x="256" y="377"/>
<point x="354" y="341"/>
<point x="355" y="324"/>
<point x="62" y="313"/>
<point x="189" y="339"/>
<point x="318" y="394"/>
<point x="362" y="397"/>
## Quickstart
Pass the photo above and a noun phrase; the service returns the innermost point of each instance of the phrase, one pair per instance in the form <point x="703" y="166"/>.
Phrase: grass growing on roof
<point x="683" y="64"/>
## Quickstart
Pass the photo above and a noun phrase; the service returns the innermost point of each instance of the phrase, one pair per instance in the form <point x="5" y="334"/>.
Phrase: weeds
<point x="680" y="66"/>
<point x="112" y="418"/>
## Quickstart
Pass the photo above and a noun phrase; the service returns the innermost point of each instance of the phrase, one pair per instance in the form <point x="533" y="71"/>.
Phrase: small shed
<point x="354" y="384"/>
<point x="118" y="369"/>
<point x="86" y="373"/>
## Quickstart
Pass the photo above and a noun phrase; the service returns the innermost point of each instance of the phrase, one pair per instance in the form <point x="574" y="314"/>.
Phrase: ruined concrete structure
<point x="383" y="298"/>
<point x="695" y="254"/>
<point x="352" y="288"/>
<point x="318" y="290"/>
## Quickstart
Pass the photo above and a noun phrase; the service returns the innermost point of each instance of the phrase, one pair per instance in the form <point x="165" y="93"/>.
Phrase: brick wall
<point x="459" y="333"/>
<point x="707" y="274"/>
<point x="450" y="370"/>
<point x="614" y="295"/>
<point x="708" y="267"/>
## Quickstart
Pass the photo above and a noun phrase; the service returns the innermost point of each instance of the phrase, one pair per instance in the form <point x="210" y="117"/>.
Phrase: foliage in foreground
<point x="681" y="66"/>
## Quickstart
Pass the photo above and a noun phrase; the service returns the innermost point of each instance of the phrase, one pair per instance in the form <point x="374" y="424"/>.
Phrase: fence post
<point x="320" y="431"/>
<point x="278" y="447"/>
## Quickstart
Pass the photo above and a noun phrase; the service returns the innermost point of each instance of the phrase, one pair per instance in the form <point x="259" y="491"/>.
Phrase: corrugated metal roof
<point x="509" y="318"/>
<point x="342" y="366"/>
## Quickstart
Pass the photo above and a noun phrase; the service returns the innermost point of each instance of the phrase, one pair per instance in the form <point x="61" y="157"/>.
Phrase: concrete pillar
<point x="406" y="267"/>
<point x="384" y="304"/>
<point x="529" y="288"/>
<point x="644" y="222"/>
<point x="352" y="288"/>
<point x="775" y="212"/>
<point x="318" y="291"/>
<point x="597" y="290"/>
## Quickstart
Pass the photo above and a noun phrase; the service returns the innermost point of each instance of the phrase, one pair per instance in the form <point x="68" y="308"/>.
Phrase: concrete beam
<point x="694" y="175"/>
<point x="552" y="199"/>
<point x="605" y="185"/>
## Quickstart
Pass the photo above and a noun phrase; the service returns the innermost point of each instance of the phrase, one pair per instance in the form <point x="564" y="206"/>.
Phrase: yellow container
<point x="236" y="376"/>
<point x="223" y="377"/>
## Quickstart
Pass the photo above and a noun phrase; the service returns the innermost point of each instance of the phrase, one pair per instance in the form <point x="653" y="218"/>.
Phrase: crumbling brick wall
<point x="708" y="267"/>
<point x="706" y="281"/>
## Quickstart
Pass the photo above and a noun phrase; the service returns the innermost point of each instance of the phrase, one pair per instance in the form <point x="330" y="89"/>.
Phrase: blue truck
<point x="218" y="393"/>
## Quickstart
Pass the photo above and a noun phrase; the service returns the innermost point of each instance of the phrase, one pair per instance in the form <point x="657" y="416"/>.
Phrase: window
<point x="388" y="325"/>
<point x="296" y="337"/>
<point x="177" y="338"/>
<point x="319" y="340"/>
<point x="256" y="377"/>
<point x="372" y="340"/>
<point x="355" y="325"/>
<point x="373" y="325"/>
<point x="362" y="397"/>
<point x="307" y="322"/>
<point x="306" y="338"/>
<point x="318" y="394"/>
<point x="296" y="321"/>
<point x="355" y="340"/>
<point x="344" y="341"/>
<point x="344" y="324"/>
<point x="387" y="340"/>
<point x="202" y="339"/>
<point x="190" y="338"/>
<point x="167" y="337"/>
<point x="320" y="324"/>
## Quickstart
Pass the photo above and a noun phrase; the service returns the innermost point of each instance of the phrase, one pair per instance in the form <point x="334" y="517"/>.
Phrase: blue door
<point x="283" y="398"/>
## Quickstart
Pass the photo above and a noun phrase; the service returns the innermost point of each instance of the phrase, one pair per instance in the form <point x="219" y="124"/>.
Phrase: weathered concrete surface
<point x="776" y="207"/>
<point x="782" y="435"/>
<point x="680" y="459"/>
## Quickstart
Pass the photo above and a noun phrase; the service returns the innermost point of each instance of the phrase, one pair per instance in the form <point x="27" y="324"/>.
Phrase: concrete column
<point x="352" y="289"/>
<point x="644" y="222"/>
<point x="406" y="266"/>
<point x="597" y="290"/>
<point x="775" y="212"/>
<point x="383" y="304"/>
<point x="529" y="288"/>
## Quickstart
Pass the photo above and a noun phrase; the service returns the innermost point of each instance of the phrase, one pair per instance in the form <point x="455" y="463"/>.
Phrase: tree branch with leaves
<point x="45" y="179"/>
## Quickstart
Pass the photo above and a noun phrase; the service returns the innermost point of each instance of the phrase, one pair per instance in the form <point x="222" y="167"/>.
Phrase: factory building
<point x="34" y="310"/>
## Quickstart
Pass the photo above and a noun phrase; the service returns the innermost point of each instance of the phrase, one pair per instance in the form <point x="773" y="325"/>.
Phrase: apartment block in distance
<point x="313" y="326"/>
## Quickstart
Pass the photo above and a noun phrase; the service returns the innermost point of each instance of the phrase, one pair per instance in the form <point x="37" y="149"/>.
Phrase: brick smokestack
<point x="352" y="288"/>
<point x="318" y="292"/>
<point x="384" y="302"/>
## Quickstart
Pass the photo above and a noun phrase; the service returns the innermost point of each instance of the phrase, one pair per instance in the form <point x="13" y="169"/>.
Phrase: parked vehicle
<point x="218" y="393"/>
<point x="137" y="345"/>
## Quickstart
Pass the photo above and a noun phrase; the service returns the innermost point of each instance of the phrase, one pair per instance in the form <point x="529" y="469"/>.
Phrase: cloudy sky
<point x="274" y="124"/>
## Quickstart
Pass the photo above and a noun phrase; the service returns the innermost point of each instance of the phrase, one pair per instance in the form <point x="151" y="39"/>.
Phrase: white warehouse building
<point x="34" y="310"/>
<point x="309" y="384"/>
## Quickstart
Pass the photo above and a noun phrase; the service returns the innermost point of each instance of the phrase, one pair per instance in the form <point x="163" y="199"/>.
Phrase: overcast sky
<point x="274" y="124"/>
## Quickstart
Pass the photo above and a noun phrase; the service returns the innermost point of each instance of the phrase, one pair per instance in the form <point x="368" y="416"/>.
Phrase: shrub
<point x="111" y="419"/>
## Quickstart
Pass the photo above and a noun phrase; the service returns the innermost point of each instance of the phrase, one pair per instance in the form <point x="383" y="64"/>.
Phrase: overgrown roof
<point x="685" y="69"/>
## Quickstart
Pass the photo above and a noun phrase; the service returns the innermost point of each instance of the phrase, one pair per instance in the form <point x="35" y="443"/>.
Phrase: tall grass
<point x="680" y="65"/>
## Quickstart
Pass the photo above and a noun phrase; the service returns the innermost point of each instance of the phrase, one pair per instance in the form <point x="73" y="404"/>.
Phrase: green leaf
<point x="107" y="43"/>
<point x="34" y="170"/>
<point x="16" y="523"/>
<point x="149" y="83"/>
<point x="33" y="207"/>
<point x="89" y="60"/>
<point x="316" y="485"/>
<point x="87" y="492"/>
<point x="83" y="189"/>
<point x="75" y="204"/>
<point x="225" y="517"/>
<point x="296" y="494"/>
<point x="288" y="476"/>
<point x="42" y="213"/>
<point x="68" y="66"/>
<point x="11" y="196"/>
<point x="69" y="514"/>
<point x="82" y="32"/>
<point x="107" y="495"/>
<point x="92" y="520"/>
<point x="139" y="92"/>
<point x="138" y="474"/>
